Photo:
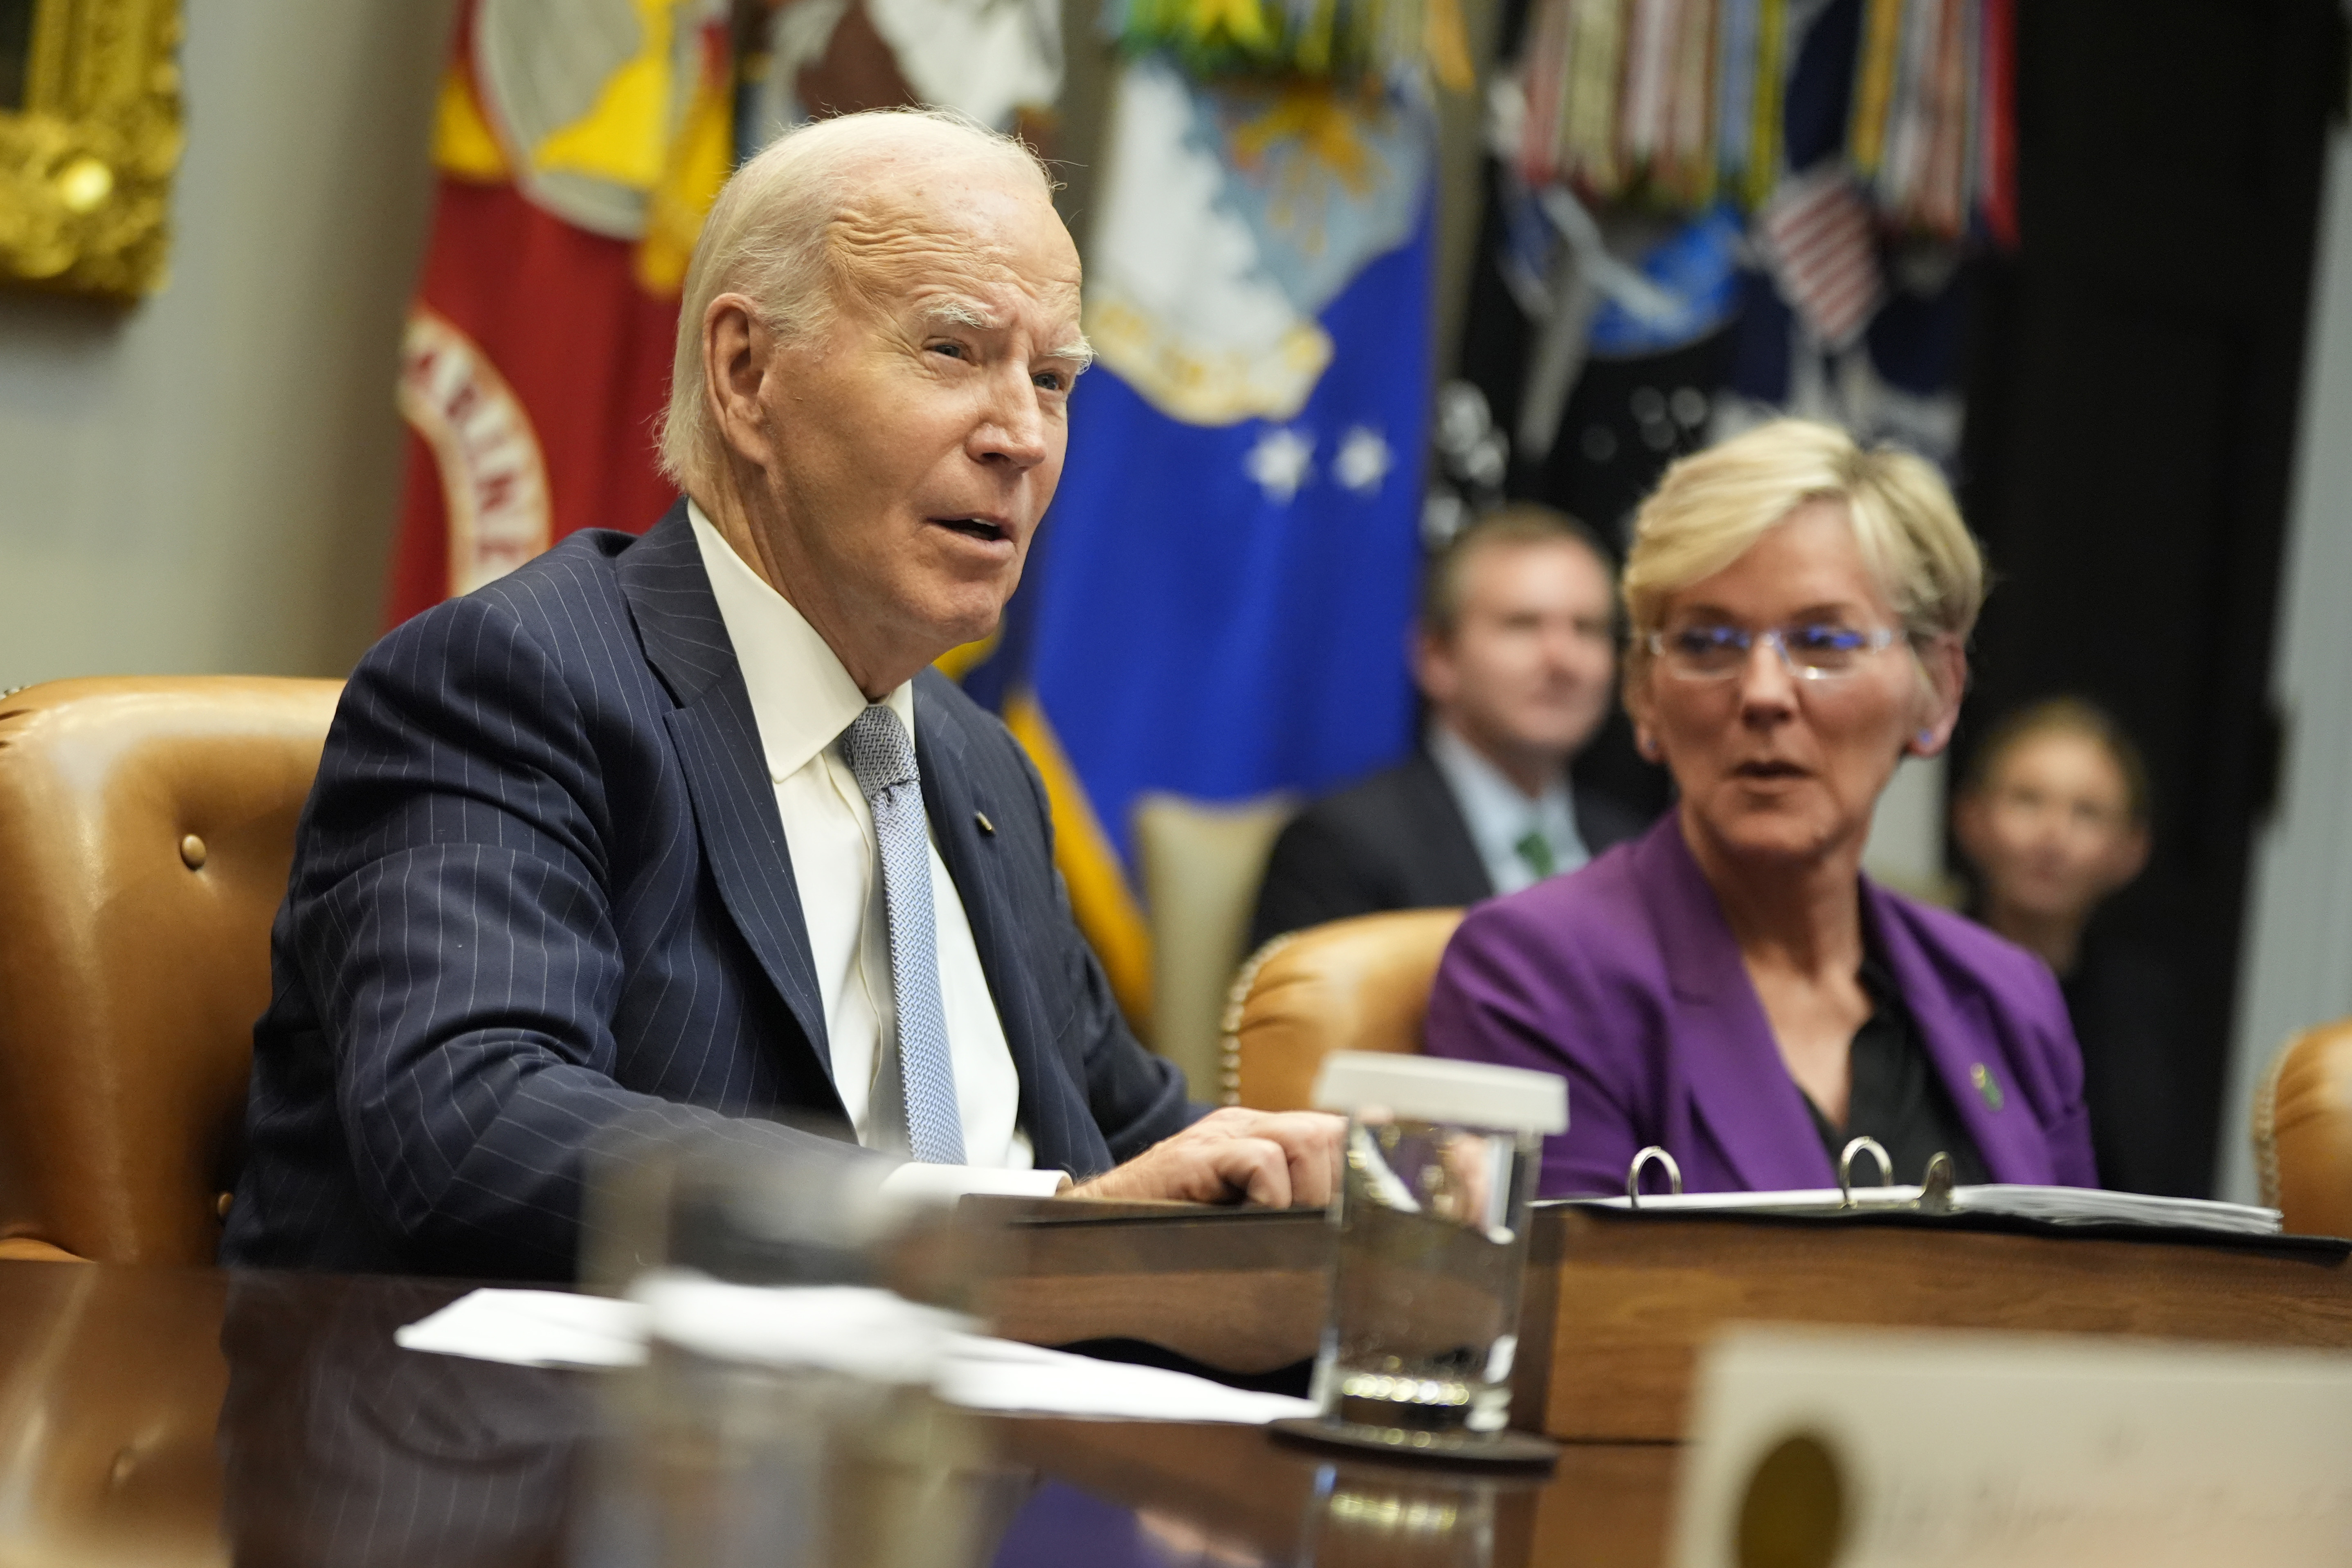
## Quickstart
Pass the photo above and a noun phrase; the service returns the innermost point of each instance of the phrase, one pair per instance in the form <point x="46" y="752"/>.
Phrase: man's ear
<point x="1432" y="666"/>
<point x="737" y="347"/>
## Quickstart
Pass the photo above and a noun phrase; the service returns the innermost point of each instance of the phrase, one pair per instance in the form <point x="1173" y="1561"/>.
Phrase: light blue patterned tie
<point x="883" y="757"/>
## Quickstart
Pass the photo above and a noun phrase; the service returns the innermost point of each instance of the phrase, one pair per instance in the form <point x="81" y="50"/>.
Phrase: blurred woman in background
<point x="1730" y="985"/>
<point x="2052" y="816"/>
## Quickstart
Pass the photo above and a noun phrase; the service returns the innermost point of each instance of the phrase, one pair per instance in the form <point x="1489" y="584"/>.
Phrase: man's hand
<point x="1280" y="1159"/>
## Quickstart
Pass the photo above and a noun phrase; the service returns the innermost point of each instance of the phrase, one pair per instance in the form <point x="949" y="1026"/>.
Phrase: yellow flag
<point x="626" y="131"/>
<point x="463" y="143"/>
<point x="698" y="163"/>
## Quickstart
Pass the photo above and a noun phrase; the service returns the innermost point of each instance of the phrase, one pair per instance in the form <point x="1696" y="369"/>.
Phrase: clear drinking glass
<point x="784" y="1417"/>
<point x="1431" y="1216"/>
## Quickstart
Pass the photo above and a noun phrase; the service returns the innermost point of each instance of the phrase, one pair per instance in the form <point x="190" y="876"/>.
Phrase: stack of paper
<point x="2080" y="1205"/>
<point x="2057" y="1205"/>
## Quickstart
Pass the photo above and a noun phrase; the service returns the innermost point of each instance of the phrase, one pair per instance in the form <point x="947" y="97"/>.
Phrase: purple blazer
<point x="1624" y="978"/>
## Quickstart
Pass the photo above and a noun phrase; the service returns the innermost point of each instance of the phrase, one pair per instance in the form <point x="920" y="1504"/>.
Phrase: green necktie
<point x="1536" y="850"/>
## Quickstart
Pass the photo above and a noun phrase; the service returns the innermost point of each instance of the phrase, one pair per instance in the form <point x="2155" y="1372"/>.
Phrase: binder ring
<point x="1935" y="1185"/>
<point x="1634" y="1173"/>
<point x="1873" y="1147"/>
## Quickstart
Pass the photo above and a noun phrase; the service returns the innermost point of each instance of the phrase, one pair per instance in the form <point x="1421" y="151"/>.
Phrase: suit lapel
<point x="1457" y="870"/>
<point x="677" y="619"/>
<point x="1961" y="1042"/>
<point x="954" y="804"/>
<point x="1730" y="1063"/>
<point x="717" y="746"/>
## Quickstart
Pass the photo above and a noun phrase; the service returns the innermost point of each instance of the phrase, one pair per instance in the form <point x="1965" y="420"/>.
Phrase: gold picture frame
<point x="89" y="138"/>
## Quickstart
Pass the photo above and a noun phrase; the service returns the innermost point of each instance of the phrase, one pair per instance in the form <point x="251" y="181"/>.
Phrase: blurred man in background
<point x="2052" y="816"/>
<point x="1516" y="654"/>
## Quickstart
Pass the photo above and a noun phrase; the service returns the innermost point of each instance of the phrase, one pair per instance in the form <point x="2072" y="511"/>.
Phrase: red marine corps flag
<point x="579" y="144"/>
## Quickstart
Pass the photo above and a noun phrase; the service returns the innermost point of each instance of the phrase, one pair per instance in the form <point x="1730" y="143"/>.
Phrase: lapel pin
<point x="990" y="829"/>
<point x="1985" y="1084"/>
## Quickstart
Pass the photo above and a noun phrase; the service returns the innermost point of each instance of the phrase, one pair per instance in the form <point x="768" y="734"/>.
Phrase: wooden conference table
<point x="159" y="1416"/>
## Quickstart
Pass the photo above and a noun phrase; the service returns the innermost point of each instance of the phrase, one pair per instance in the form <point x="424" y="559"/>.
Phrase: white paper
<point x="2076" y="1202"/>
<point x="998" y="1375"/>
<point x="1974" y="1450"/>
<point x="533" y="1328"/>
<point x="2076" y="1205"/>
<point x="927" y="1183"/>
<point x="856" y="1329"/>
<point x="554" y="1328"/>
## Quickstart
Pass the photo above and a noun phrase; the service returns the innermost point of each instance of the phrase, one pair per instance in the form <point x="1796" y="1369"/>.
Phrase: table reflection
<point x="107" y="1400"/>
<point x="1374" y="1516"/>
<point x="1062" y="1527"/>
<point x="339" y="1448"/>
<point x="1163" y="1495"/>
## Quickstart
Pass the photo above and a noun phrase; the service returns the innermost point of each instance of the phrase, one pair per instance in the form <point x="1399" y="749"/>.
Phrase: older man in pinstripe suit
<point x="679" y="830"/>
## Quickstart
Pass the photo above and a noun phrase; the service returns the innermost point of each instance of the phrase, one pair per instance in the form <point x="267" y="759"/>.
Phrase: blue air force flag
<point x="1226" y="580"/>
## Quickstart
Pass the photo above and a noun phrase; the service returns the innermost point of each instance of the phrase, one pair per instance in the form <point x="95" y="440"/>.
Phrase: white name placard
<point x="1884" y="1449"/>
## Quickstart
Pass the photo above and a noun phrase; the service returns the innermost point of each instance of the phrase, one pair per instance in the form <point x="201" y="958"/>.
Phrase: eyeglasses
<point x="1703" y="653"/>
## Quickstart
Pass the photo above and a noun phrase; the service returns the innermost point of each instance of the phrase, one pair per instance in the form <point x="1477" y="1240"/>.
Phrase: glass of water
<point x="1431" y="1216"/>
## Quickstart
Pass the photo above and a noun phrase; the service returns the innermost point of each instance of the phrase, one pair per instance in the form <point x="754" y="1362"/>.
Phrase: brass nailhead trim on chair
<point x="220" y="1207"/>
<point x="192" y="851"/>
<point x="2265" y="1124"/>
<point x="1229" y="1045"/>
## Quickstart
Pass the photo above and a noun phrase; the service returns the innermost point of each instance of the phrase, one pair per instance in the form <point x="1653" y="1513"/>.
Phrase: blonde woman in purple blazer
<point x="1730" y="985"/>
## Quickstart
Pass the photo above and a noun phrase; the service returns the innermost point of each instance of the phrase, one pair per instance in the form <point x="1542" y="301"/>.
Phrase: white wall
<point x="2296" y="968"/>
<point x="206" y="482"/>
<point x="1906" y="832"/>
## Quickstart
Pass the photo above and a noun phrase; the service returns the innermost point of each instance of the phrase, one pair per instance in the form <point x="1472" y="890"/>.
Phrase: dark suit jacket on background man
<point x="1397" y="840"/>
<point x="541" y="887"/>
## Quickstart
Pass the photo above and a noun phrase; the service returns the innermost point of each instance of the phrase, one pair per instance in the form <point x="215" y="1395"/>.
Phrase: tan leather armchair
<point x="2302" y="1131"/>
<point x="146" y="827"/>
<point x="1354" y="985"/>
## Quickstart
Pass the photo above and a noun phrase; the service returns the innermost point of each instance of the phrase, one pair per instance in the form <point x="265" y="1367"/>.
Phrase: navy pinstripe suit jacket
<point x="541" y="891"/>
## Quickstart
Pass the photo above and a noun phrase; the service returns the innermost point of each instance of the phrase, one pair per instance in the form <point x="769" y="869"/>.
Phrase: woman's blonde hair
<point x="1712" y="506"/>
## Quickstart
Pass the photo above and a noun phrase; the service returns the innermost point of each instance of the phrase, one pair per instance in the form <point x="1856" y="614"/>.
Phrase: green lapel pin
<point x="1986" y="1086"/>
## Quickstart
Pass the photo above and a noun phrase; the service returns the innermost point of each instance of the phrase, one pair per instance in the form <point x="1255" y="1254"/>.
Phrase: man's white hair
<point x="771" y="236"/>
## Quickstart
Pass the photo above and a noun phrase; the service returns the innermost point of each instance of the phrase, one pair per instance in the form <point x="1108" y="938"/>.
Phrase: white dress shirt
<point x="802" y="700"/>
<point x="1500" y="814"/>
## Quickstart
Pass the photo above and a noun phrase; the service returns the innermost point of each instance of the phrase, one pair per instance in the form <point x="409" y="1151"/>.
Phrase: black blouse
<point x="1897" y="1097"/>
